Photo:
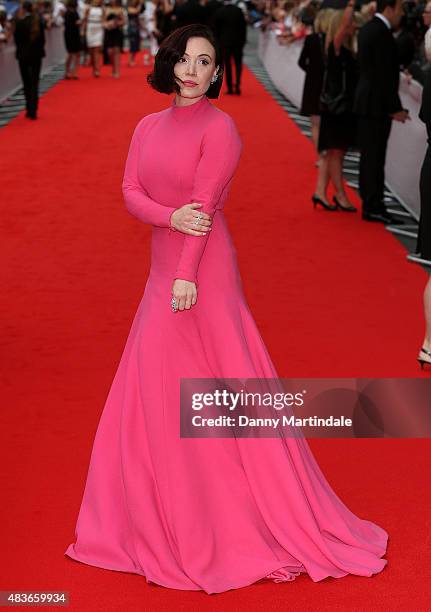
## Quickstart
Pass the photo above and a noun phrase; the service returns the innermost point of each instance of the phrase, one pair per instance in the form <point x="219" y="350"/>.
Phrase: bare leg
<point x="88" y="56"/>
<point x="424" y="355"/>
<point x="335" y="168"/>
<point x="116" y="62"/>
<point x="111" y="58"/>
<point x="154" y="46"/>
<point x="98" y="60"/>
<point x="427" y="305"/>
<point x="93" y="59"/>
<point x="75" y="63"/>
<point x="315" y="126"/>
<point x="68" y="65"/>
<point x="322" y="178"/>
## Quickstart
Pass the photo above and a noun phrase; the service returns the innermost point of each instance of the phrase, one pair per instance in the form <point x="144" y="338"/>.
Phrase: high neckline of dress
<point x="184" y="113"/>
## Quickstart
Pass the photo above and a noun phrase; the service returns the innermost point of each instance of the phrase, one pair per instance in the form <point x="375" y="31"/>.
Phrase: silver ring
<point x="198" y="218"/>
<point x="174" y="304"/>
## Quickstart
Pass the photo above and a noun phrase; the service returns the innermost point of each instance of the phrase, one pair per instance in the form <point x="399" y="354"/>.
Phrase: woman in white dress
<point x="94" y="17"/>
<point x="150" y="27"/>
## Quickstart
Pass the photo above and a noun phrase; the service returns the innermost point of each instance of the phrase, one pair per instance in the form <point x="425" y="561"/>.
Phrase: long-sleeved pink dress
<point x="202" y="514"/>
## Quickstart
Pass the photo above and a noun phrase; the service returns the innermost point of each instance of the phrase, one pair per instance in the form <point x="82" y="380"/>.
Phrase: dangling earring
<point x="214" y="79"/>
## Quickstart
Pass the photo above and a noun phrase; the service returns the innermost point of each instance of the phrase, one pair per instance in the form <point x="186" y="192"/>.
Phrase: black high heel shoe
<point x="424" y="361"/>
<point x="316" y="200"/>
<point x="338" y="205"/>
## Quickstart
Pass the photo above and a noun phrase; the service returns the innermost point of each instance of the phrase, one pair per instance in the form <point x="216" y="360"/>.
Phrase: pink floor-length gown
<point x="202" y="514"/>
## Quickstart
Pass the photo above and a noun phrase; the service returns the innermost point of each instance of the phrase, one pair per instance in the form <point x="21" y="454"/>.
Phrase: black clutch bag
<point x="333" y="99"/>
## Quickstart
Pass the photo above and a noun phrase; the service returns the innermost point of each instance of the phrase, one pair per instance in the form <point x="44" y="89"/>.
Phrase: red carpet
<point x="332" y="296"/>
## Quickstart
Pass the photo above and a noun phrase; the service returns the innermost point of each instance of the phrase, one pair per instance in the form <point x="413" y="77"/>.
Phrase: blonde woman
<point x="94" y="17"/>
<point x="338" y="130"/>
<point x="311" y="61"/>
<point x="150" y="25"/>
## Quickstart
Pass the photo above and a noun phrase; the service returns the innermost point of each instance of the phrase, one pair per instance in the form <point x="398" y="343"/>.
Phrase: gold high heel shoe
<point x="427" y="358"/>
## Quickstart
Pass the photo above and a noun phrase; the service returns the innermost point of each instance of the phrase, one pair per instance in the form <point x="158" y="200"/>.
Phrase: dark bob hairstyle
<point x="172" y="49"/>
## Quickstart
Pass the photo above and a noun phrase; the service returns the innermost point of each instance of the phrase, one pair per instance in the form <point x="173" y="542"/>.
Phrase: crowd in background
<point x="153" y="20"/>
<point x="135" y="24"/>
<point x="343" y="114"/>
<point x="294" y="19"/>
<point x="97" y="31"/>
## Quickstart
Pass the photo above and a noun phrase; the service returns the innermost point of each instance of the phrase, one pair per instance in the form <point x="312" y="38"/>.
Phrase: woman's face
<point x="194" y="71"/>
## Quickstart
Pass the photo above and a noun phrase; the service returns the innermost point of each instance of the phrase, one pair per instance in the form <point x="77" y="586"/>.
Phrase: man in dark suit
<point x="29" y="34"/>
<point x="212" y="6"/>
<point x="377" y="103"/>
<point x="191" y="11"/>
<point x="230" y="27"/>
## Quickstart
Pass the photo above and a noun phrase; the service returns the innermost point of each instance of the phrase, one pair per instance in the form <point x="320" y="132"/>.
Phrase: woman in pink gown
<point x="201" y="514"/>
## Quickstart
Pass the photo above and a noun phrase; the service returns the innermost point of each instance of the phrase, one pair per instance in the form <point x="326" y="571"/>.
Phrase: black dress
<point x="114" y="36"/>
<point x="72" y="35"/>
<point x="339" y="131"/>
<point x="311" y="61"/>
<point x="424" y="233"/>
<point x="133" y="32"/>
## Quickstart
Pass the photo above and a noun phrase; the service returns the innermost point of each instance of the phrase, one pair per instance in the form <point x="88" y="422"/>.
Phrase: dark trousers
<point x="30" y="73"/>
<point x="424" y="233"/>
<point x="373" y="140"/>
<point x="232" y="52"/>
